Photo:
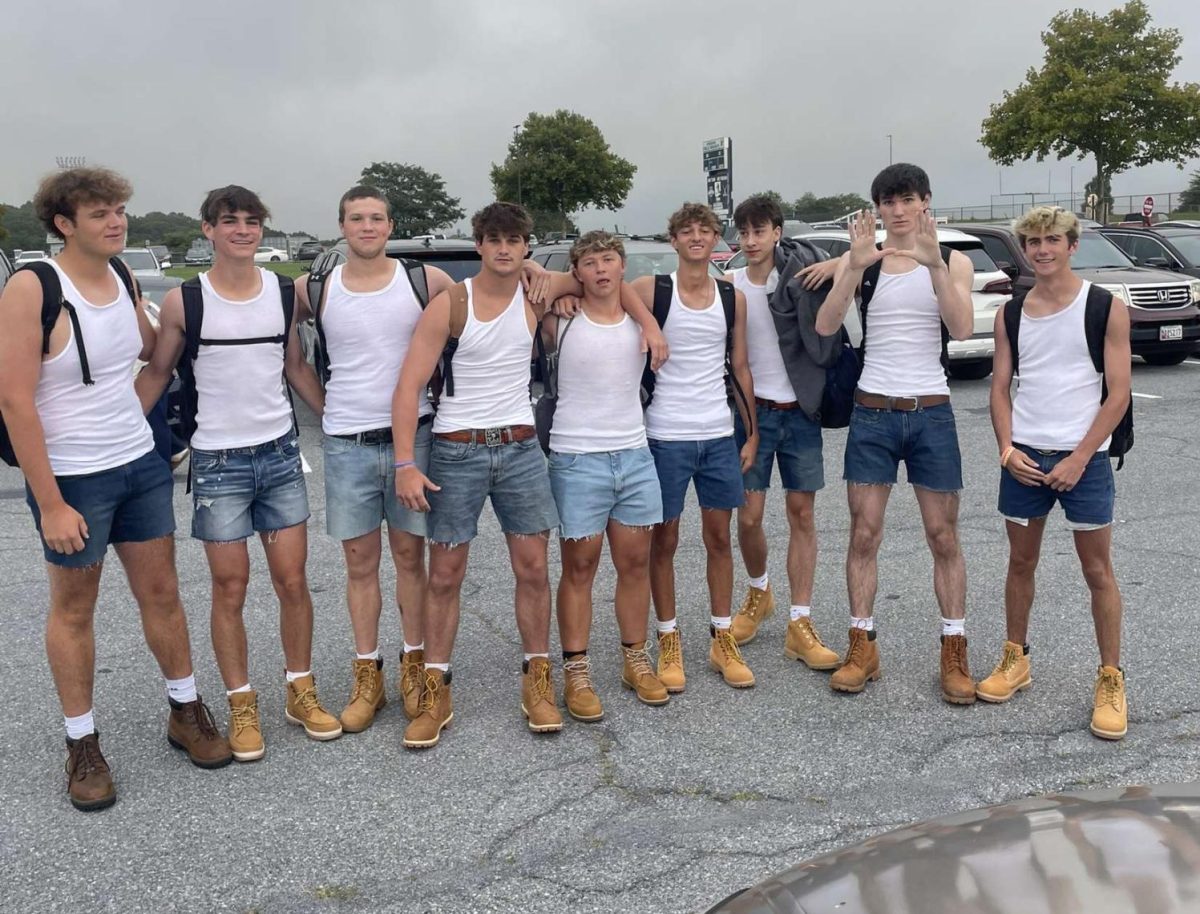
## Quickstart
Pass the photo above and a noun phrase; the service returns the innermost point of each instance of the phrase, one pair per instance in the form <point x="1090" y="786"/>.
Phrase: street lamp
<point x="70" y="161"/>
<point x="889" y="136"/>
<point x="516" y="133"/>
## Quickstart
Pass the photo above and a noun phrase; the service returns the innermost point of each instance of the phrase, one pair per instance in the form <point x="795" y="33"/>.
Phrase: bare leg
<point x="663" y="543"/>
<point x="867" y="507"/>
<point x="752" y="541"/>
<point x="70" y="638"/>
<point x="939" y="514"/>
<point x="1024" y="548"/>
<point x="802" y="546"/>
<point x="1094" y="548"/>
<point x="150" y="568"/>
<point x="447" y="568"/>
<point x="715" y="530"/>
<point x="408" y="554"/>
<point x="532" y="597"/>
<point x="363" y="596"/>
<point x="580" y="558"/>
<point x="229" y="565"/>
<point x="287" y="551"/>
<point x="630" y="548"/>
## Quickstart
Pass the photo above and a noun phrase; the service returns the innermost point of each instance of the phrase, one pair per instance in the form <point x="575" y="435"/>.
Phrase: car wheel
<point x="274" y="260"/>
<point x="971" y="371"/>
<point x="1165" y="358"/>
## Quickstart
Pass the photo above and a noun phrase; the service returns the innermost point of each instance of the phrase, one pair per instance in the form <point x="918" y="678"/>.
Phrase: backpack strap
<point x="870" y="282"/>
<point x="287" y="299"/>
<point x="1095" y="324"/>
<point x="728" y="296"/>
<point x="1012" y="328"/>
<point x="52" y="300"/>
<point x="549" y="355"/>
<point x="121" y="268"/>
<point x="418" y="280"/>
<point x="664" y="291"/>
<point x="457" y="324"/>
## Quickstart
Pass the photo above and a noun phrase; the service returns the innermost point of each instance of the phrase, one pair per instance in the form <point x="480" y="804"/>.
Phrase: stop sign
<point x="1148" y="206"/>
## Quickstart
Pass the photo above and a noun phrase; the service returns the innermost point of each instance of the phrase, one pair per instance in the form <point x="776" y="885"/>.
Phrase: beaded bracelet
<point x="1008" y="451"/>
<point x="401" y="464"/>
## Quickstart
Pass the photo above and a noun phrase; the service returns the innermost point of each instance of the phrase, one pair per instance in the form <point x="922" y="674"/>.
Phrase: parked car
<point x="722" y="252"/>
<point x="150" y="277"/>
<point x="29" y="257"/>
<point x="267" y="254"/>
<point x="162" y="254"/>
<point x="1165" y="322"/>
<point x="1179" y="223"/>
<point x="6" y="270"/>
<point x="1176" y="249"/>
<point x="642" y="258"/>
<point x="200" y="252"/>
<point x="309" y="250"/>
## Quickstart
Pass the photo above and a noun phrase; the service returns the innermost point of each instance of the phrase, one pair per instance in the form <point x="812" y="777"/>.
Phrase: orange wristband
<point x="1008" y="451"/>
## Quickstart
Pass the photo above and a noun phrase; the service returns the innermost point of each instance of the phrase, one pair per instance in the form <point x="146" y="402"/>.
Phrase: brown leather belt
<point x="903" y="404"/>
<point x="492" y="437"/>
<point x="776" y="404"/>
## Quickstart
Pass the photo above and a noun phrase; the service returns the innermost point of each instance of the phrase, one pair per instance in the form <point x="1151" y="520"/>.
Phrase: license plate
<point x="1170" y="332"/>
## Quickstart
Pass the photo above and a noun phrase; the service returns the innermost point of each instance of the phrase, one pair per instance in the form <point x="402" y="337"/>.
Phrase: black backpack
<point x="664" y="291"/>
<point x="193" y="321"/>
<point x="1095" y="326"/>
<point x="543" y="410"/>
<point x="318" y="279"/>
<point x="870" y="280"/>
<point x="53" y="304"/>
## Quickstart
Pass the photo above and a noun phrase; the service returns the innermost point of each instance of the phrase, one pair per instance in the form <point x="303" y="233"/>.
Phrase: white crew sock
<point x="444" y="667"/>
<point x="182" y="690"/>
<point x="409" y="648"/>
<point x="665" y="628"/>
<point x="800" y="612"/>
<point x="292" y="677"/>
<point x="372" y="655"/>
<point x="529" y="657"/>
<point x="244" y="688"/>
<point x="720" y="622"/>
<point x="81" y="726"/>
<point x="953" y="626"/>
<point x="761" y="583"/>
<point x="867" y="624"/>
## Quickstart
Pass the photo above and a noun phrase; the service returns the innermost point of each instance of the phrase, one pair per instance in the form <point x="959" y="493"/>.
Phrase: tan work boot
<point x="804" y="644"/>
<point x="411" y="682"/>
<point x="1009" y="677"/>
<point x="756" y="609"/>
<point x="726" y="659"/>
<point x="434" y="713"/>
<point x="670" y="662"/>
<point x="638" y="674"/>
<point x="861" y="664"/>
<point x="537" y="697"/>
<point x="958" y="687"/>
<point x="89" y="780"/>
<point x="1110" y="713"/>
<point x="245" y="732"/>
<point x="579" y="695"/>
<point x="191" y="728"/>
<point x="304" y="710"/>
<point x="367" y="697"/>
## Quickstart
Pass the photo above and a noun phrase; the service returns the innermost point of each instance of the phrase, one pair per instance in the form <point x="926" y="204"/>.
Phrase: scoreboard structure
<point x="718" y="174"/>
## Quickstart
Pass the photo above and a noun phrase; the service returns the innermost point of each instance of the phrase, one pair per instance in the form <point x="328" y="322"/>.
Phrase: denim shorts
<point x="513" y="474"/>
<point x="1088" y="505"/>
<point x="925" y="439"/>
<point x="127" y="504"/>
<point x="789" y="437"/>
<point x="245" y="490"/>
<point x="360" y="486"/>
<point x="713" y="465"/>
<point x="591" y="488"/>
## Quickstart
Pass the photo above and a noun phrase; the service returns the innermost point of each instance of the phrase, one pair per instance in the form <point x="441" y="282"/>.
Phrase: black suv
<point x="1164" y="319"/>
<point x="309" y="250"/>
<point x="1175" y="249"/>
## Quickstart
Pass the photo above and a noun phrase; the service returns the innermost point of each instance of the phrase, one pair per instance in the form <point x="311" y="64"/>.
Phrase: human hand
<point x="64" y="529"/>
<point x="411" y="484"/>
<point x="816" y="275"/>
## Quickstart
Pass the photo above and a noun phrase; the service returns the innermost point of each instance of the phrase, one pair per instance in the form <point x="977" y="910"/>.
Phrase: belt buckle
<point x="493" y="437"/>
<point x="896" y="403"/>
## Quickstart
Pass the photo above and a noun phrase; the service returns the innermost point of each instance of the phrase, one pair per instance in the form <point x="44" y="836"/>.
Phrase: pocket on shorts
<point x="204" y="462"/>
<point x="290" y="446"/>
<point x="451" y="450"/>
<point x="867" y="415"/>
<point x="562" y="461"/>
<point x="941" y="415"/>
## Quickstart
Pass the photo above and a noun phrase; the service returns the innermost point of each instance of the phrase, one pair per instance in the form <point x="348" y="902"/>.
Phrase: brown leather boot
<point x="367" y="697"/>
<point x="537" y="697"/>
<point x="861" y="664"/>
<point x="412" y="681"/>
<point x="192" y="729"/>
<point x="1010" y="676"/>
<point x="638" y="674"/>
<point x="434" y="714"/>
<point x="579" y="695"/>
<point x="958" y="687"/>
<point x="801" y="642"/>
<point x="670" y="662"/>
<point x="1110" y="713"/>
<point x="756" y="609"/>
<point x="89" y="780"/>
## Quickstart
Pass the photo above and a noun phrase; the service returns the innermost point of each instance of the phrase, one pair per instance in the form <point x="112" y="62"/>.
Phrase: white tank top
<point x="904" y="338"/>
<point x="689" y="394"/>
<point x="771" y="381"/>
<point x="599" y="387"/>
<point x="1058" y="394"/>
<point x="368" y="335"/>
<point x="241" y="398"/>
<point x="491" y="371"/>
<point x="90" y="428"/>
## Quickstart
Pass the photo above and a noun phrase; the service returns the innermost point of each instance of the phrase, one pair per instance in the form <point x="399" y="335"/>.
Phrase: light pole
<point x="1072" y="188"/>
<point x="516" y="135"/>
<point x="889" y="136"/>
<point x="70" y="161"/>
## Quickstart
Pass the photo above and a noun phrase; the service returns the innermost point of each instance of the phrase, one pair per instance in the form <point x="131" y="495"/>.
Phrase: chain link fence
<point x="1010" y="206"/>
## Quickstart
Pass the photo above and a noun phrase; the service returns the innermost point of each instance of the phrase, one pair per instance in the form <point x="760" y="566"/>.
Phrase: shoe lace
<point x="307" y="699"/>
<point x="639" y="660"/>
<point x="956" y="650"/>
<point x="756" y="601"/>
<point x="728" y="645"/>
<point x="429" y="696"/>
<point x="858" y="645"/>
<point x="203" y="719"/>
<point x="1112" y="690"/>
<point x="808" y="632"/>
<point x="364" y="678"/>
<point x="243" y="717"/>
<point x="669" y="649"/>
<point x="1008" y="661"/>
<point x="541" y="682"/>
<point x="579" y="671"/>
<point x="410" y="674"/>
<point x="87" y="758"/>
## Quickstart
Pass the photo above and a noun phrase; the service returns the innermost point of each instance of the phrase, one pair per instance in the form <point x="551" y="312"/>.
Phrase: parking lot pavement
<point x="655" y="809"/>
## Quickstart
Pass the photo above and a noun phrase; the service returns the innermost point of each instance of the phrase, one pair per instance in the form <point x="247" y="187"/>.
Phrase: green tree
<point x="1103" y="192"/>
<point x="815" y="209"/>
<point x="25" y="232"/>
<point x="1103" y="90"/>
<point x="561" y="163"/>
<point x="420" y="204"/>
<point x="3" y="230"/>
<point x="1189" y="200"/>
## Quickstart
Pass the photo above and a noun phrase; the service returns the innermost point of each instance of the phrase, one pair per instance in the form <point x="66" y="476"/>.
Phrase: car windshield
<point x="1098" y="253"/>
<point x="722" y="245"/>
<point x="139" y="260"/>
<point x="979" y="258"/>
<point x="459" y="265"/>
<point x="1188" y="245"/>
<point x="647" y="263"/>
<point x="265" y="250"/>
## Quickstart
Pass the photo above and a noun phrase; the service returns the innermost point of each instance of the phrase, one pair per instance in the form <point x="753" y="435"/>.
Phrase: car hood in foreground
<point x="1097" y="851"/>
<point x="1130" y="275"/>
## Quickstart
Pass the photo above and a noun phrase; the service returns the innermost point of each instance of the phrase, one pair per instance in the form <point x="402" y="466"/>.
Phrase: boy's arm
<point x="653" y="340"/>
<point x="741" y="371"/>
<point x="300" y="374"/>
<point x="1023" y="469"/>
<point x="156" y="375"/>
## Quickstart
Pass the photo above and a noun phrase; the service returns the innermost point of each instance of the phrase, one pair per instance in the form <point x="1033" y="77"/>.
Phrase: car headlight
<point x="1117" y="289"/>
<point x="1195" y="284"/>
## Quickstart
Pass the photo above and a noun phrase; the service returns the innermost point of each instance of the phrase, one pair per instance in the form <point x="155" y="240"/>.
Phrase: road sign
<point x="1148" y="206"/>
<point x="718" y="173"/>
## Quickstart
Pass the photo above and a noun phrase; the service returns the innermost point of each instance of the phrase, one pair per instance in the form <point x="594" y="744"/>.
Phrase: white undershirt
<point x="904" y="338"/>
<point x="771" y="381"/>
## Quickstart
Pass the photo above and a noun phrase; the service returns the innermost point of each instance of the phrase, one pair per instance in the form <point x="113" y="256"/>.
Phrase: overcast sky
<point x="292" y="99"/>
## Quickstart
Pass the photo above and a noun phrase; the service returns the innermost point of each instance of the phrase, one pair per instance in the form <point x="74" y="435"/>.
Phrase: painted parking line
<point x="308" y="469"/>
<point x="1143" y="396"/>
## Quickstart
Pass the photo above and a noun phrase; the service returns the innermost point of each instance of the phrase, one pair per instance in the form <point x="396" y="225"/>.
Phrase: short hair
<point x="61" y="193"/>
<point x="1047" y="220"/>
<point x="901" y="178"/>
<point x="693" y="212"/>
<point x="760" y="209"/>
<point x="502" y="219"/>
<point x="596" y="242"/>
<point x="232" y="199"/>
<point x="362" y="192"/>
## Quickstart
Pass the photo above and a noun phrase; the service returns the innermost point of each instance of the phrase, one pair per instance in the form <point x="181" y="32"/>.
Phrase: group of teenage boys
<point x="425" y="457"/>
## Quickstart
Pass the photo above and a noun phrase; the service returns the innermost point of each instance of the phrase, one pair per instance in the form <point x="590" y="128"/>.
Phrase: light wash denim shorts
<point x="589" y="489"/>
<point x="245" y="490"/>
<point x="360" y="486"/>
